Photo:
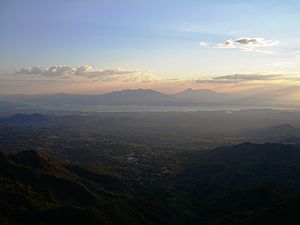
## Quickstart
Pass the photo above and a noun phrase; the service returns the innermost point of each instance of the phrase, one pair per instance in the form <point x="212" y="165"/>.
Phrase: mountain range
<point x="188" y="97"/>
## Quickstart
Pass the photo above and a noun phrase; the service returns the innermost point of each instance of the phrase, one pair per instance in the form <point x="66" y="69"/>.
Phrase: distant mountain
<point x="206" y="96"/>
<point x="255" y="153"/>
<point x="135" y="94"/>
<point x="138" y="95"/>
<point x="128" y="96"/>
<point x="188" y="97"/>
<point x="115" y="97"/>
<point x="200" y="95"/>
<point x="279" y="133"/>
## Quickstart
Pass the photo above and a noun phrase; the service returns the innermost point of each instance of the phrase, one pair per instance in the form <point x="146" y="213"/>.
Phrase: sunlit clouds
<point x="227" y="44"/>
<point x="86" y="73"/>
<point x="255" y="45"/>
<point x="86" y="79"/>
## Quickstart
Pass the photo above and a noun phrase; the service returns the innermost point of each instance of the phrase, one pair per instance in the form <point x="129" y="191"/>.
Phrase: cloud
<point x="268" y="52"/>
<point x="255" y="50"/>
<point x="59" y="71"/>
<point x="227" y="44"/>
<point x="87" y="73"/>
<point x="247" y="77"/>
<point x="53" y="71"/>
<point x="29" y="71"/>
<point x="204" y="44"/>
<point x="86" y="79"/>
<point x="258" y="42"/>
<point x="256" y="45"/>
<point x="238" y="78"/>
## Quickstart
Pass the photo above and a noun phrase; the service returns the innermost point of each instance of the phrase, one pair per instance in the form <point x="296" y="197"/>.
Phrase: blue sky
<point x="156" y="35"/>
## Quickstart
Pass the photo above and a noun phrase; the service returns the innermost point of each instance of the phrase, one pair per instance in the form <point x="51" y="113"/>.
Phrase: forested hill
<point x="242" y="184"/>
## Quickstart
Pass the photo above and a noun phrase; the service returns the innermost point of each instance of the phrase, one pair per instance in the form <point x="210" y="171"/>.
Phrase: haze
<point x="93" y="47"/>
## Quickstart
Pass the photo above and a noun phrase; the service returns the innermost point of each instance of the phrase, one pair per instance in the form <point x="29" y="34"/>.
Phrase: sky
<point x="97" y="45"/>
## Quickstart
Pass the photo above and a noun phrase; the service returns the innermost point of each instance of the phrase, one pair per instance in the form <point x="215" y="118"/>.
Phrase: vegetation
<point x="72" y="169"/>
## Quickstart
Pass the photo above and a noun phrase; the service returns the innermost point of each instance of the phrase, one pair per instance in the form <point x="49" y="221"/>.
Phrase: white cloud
<point x="255" y="45"/>
<point x="227" y="44"/>
<point x="59" y="71"/>
<point x="204" y="44"/>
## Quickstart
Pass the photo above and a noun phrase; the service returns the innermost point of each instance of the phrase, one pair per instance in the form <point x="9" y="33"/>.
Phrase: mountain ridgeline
<point x="188" y="97"/>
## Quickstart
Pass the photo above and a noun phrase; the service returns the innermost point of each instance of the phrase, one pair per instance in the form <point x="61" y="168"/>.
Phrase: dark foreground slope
<point x="245" y="184"/>
<point x="238" y="185"/>
<point x="35" y="190"/>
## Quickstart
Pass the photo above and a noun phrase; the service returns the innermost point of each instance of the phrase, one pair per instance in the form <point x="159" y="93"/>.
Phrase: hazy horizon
<point x="93" y="47"/>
